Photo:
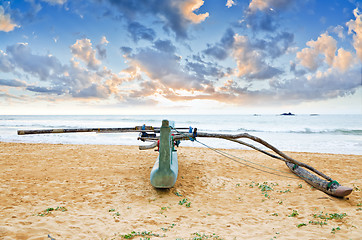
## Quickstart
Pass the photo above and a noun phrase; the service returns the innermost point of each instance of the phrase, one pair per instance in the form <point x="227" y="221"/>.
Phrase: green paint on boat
<point x="164" y="172"/>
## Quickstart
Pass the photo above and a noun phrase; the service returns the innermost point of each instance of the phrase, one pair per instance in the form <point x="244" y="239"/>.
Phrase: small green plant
<point x="166" y="229"/>
<point x="321" y="223"/>
<point x="117" y="214"/>
<point x="335" y="229"/>
<point x="49" y="210"/>
<point x="134" y="234"/>
<point x="294" y="214"/>
<point x="111" y="210"/>
<point x="275" y="214"/>
<point x="203" y="236"/>
<point x="183" y="201"/>
<point x="300" y="185"/>
<point x="301" y="225"/>
<point x="286" y="191"/>
<point x="177" y="194"/>
<point x="188" y="204"/>
<point x="330" y="216"/>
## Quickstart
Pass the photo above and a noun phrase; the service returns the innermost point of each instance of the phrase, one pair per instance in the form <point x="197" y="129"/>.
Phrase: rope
<point x="232" y="157"/>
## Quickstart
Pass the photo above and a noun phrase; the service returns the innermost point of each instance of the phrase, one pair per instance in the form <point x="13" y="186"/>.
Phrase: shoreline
<point x="103" y="192"/>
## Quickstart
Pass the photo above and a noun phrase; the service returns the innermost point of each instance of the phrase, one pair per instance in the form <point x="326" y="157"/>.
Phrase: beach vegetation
<point x="300" y="185"/>
<point x="112" y="210"/>
<point x="335" y="229"/>
<point x="330" y="216"/>
<point x="143" y="234"/>
<point x="183" y="201"/>
<point x="275" y="214"/>
<point x="168" y="228"/>
<point x="301" y="225"/>
<point x="294" y="214"/>
<point x="202" y="236"/>
<point x="321" y="223"/>
<point x="49" y="210"/>
<point x="177" y="194"/>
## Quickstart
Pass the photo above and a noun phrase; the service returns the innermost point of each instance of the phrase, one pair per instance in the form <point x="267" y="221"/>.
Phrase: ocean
<point x="339" y="134"/>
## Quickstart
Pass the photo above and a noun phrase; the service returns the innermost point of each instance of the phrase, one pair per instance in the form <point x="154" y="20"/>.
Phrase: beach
<point x="69" y="191"/>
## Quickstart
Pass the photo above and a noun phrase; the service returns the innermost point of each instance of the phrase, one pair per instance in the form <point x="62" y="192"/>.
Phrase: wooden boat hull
<point x="165" y="178"/>
<point x="165" y="170"/>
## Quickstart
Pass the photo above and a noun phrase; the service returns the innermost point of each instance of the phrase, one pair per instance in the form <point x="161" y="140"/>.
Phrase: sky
<point x="180" y="57"/>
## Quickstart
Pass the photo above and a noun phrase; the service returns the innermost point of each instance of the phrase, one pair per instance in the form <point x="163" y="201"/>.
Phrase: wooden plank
<point x="332" y="188"/>
<point x="97" y="130"/>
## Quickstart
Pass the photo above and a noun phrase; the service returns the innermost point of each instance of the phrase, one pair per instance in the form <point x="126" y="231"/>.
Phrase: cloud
<point x="230" y="3"/>
<point x="6" y="24"/>
<point x="343" y="60"/>
<point x="94" y="90"/>
<point x="139" y="32"/>
<point x="204" y="70"/>
<point x="101" y="50"/>
<point x="221" y="50"/>
<point x="318" y="86"/>
<point x="83" y="50"/>
<point x="12" y="83"/>
<point x="175" y="15"/>
<point x="188" y="9"/>
<point x="263" y="5"/>
<point x="5" y="64"/>
<point x="164" y="67"/>
<point x="20" y="56"/>
<point x="164" y="46"/>
<point x="275" y="46"/>
<point x="57" y="79"/>
<point x="250" y="61"/>
<point x="263" y="15"/>
<point x="54" y="2"/>
<point x="355" y="28"/>
<point x="325" y="45"/>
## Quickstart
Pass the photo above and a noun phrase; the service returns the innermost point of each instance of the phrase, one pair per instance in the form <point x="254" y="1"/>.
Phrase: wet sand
<point x="104" y="192"/>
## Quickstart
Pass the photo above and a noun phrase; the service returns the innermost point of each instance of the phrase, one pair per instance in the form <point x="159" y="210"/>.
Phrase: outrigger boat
<point x="165" y="170"/>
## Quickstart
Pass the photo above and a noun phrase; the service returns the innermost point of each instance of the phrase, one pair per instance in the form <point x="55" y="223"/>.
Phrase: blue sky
<point x="180" y="57"/>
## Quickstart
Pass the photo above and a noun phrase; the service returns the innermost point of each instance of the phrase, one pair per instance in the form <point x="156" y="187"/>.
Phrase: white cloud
<point x="104" y="40"/>
<point x="188" y="9"/>
<point x="250" y="61"/>
<point x="83" y="50"/>
<point x="343" y="60"/>
<point x="6" y="24"/>
<point x="324" y="45"/>
<point x="230" y="3"/>
<point x="54" y="2"/>
<point x="263" y="5"/>
<point x="355" y="28"/>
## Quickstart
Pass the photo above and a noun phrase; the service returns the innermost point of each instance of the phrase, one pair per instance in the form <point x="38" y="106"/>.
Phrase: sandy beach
<point x="103" y="192"/>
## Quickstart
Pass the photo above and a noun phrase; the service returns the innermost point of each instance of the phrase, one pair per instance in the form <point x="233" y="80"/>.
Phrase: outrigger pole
<point x="165" y="170"/>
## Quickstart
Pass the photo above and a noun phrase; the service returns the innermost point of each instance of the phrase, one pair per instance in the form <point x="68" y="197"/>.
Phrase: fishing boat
<point x="167" y="137"/>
